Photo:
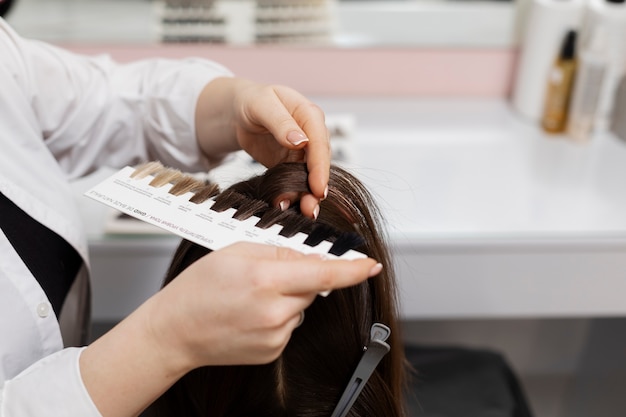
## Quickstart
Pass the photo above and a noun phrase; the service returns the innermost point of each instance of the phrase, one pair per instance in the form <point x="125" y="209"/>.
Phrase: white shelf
<point x="430" y="23"/>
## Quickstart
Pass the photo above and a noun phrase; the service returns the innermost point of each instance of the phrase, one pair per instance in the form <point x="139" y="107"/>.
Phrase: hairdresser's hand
<point x="272" y="123"/>
<point x="239" y="305"/>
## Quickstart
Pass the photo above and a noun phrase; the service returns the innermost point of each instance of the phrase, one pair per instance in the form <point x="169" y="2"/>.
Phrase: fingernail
<point x="284" y="205"/>
<point x="376" y="269"/>
<point x="296" y="138"/>
<point x="325" y="192"/>
<point x="316" y="212"/>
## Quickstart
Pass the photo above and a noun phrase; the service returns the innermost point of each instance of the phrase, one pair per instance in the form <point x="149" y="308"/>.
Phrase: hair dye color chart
<point x="196" y="222"/>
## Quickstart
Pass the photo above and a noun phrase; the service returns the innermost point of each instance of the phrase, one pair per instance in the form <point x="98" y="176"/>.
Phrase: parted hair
<point x="311" y="374"/>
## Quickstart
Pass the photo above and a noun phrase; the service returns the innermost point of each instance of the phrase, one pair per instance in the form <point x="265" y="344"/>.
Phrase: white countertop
<point x="487" y="215"/>
<point x="463" y="170"/>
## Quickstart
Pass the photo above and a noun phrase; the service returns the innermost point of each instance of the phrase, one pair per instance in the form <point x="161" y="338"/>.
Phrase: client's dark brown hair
<point x="311" y="374"/>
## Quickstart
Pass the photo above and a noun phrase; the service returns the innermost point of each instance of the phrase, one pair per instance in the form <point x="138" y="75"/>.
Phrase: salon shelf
<point x="488" y="217"/>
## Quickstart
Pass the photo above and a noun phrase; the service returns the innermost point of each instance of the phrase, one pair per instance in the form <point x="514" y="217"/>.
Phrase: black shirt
<point x="52" y="261"/>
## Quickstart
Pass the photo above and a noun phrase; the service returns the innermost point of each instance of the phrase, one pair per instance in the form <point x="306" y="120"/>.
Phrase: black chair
<point x="460" y="382"/>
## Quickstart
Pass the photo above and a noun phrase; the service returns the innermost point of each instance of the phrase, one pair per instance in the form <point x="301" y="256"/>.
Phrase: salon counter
<point x="487" y="216"/>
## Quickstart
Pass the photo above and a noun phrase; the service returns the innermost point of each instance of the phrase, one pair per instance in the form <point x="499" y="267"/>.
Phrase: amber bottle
<point x="559" y="88"/>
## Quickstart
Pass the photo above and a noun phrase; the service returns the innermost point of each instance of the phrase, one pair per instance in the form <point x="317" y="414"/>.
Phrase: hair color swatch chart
<point x="195" y="222"/>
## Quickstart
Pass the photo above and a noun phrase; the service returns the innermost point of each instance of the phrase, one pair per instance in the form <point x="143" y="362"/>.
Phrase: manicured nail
<point x="284" y="205"/>
<point x="316" y="212"/>
<point x="376" y="269"/>
<point x="325" y="193"/>
<point x="296" y="138"/>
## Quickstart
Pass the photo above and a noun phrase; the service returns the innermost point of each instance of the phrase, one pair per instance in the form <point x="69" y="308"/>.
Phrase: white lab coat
<point x="61" y="117"/>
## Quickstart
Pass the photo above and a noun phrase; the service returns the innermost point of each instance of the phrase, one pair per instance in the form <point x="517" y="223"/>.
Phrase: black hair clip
<point x="374" y="352"/>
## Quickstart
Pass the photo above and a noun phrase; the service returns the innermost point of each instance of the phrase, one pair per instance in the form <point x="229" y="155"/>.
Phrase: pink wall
<point x="366" y="72"/>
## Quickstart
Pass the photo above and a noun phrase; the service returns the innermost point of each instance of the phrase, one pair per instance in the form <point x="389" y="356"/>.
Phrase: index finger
<point x="310" y="117"/>
<point x="317" y="152"/>
<point x="313" y="275"/>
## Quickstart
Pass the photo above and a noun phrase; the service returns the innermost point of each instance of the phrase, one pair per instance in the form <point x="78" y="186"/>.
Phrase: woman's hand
<point x="272" y="123"/>
<point x="239" y="305"/>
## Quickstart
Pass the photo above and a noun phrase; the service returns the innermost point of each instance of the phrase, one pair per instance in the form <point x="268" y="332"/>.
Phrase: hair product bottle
<point x="558" y="92"/>
<point x="590" y="77"/>
<point x="610" y="15"/>
<point x="618" y="124"/>
<point x="546" y="24"/>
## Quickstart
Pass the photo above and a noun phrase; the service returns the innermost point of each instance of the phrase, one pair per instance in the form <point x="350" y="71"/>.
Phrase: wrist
<point x="215" y="118"/>
<point x="162" y="331"/>
<point x="135" y="356"/>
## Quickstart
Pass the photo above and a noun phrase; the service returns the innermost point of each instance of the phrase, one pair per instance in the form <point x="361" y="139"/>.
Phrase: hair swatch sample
<point x="255" y="197"/>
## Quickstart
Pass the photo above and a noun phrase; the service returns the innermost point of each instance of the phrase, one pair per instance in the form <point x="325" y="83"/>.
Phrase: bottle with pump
<point x="610" y="15"/>
<point x="560" y="81"/>
<point x="589" y="84"/>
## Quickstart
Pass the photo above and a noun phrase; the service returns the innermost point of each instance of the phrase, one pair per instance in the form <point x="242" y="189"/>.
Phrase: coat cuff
<point x="51" y="386"/>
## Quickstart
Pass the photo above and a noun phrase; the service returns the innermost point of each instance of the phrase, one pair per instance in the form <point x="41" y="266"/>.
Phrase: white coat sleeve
<point x="50" y="387"/>
<point x="94" y="112"/>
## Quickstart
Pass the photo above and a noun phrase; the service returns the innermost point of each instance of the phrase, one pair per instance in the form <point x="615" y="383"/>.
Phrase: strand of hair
<point x="165" y="176"/>
<point x="345" y="242"/>
<point x="320" y="233"/>
<point x="272" y="216"/>
<point x="226" y="200"/>
<point x="186" y="184"/>
<point x="251" y="208"/>
<point x="206" y="192"/>
<point x="146" y="169"/>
